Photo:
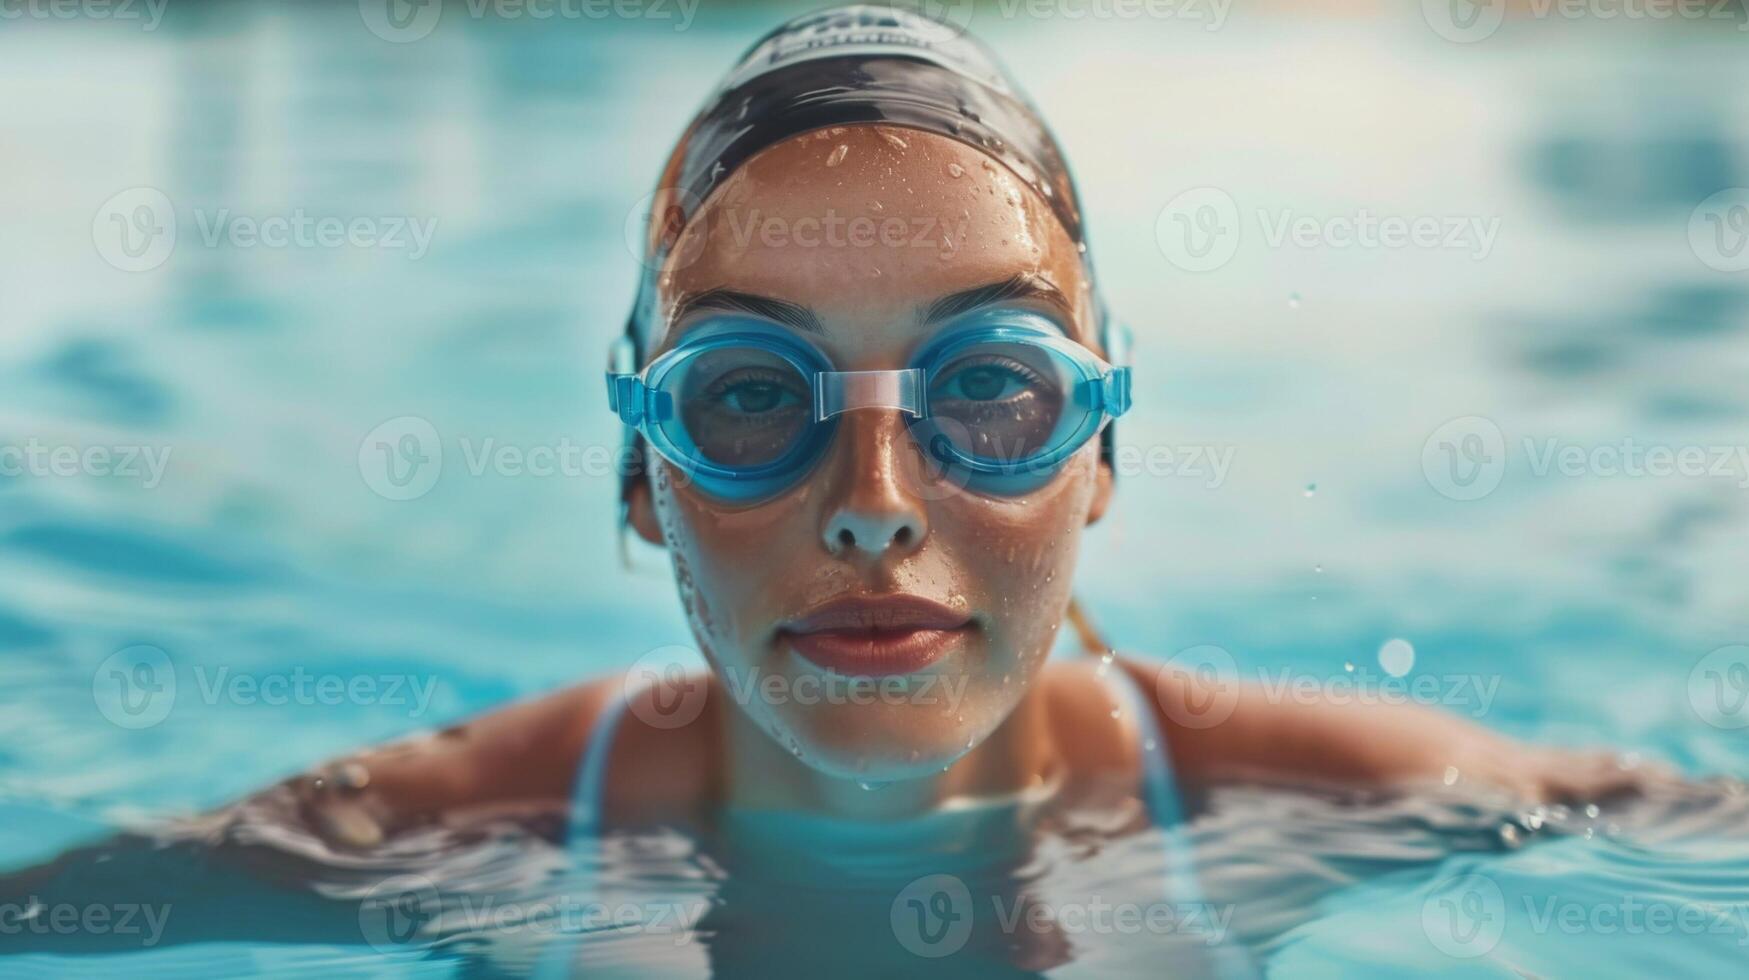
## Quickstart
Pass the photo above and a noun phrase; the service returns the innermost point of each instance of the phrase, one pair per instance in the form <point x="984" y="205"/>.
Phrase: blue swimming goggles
<point x="745" y="407"/>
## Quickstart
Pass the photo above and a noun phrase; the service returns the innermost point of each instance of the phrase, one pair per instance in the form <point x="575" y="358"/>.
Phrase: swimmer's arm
<point x="1243" y="733"/>
<point x="517" y="762"/>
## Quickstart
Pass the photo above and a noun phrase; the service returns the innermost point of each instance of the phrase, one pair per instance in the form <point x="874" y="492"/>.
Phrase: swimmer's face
<point x="853" y="237"/>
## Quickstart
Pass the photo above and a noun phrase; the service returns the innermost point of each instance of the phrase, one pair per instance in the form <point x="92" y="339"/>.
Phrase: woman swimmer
<point x="872" y="379"/>
<point x="874" y="386"/>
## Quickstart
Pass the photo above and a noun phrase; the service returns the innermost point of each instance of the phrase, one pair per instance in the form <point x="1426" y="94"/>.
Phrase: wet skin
<point x="868" y="521"/>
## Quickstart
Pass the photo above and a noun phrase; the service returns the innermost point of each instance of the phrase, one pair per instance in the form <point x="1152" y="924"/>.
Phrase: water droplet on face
<point x="894" y="141"/>
<point x="1117" y="712"/>
<point x="955" y="171"/>
<point x="1397" y="657"/>
<point x="1311" y="489"/>
<point x="1293" y="301"/>
<point x="838" y="154"/>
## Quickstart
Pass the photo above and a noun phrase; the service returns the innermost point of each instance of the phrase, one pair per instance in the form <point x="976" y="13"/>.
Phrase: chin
<point x="887" y="742"/>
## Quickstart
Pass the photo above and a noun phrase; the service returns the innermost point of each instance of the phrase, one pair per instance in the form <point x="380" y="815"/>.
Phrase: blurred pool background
<point x="1607" y="308"/>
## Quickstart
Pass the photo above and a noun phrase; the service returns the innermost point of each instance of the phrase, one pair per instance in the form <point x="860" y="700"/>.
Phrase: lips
<point x="876" y="636"/>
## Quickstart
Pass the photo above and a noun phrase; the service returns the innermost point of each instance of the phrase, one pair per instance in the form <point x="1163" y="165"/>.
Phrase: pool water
<point x="290" y="598"/>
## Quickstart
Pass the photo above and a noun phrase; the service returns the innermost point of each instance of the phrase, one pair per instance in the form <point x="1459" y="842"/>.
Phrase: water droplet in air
<point x="1509" y="835"/>
<point x="1397" y="657"/>
<point x="1311" y="488"/>
<point x="1293" y="301"/>
<point x="1592" y="811"/>
<point x="1451" y="775"/>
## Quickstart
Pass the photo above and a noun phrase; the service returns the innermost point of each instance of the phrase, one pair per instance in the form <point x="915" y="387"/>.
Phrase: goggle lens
<point x="1001" y="403"/>
<point x="743" y="407"/>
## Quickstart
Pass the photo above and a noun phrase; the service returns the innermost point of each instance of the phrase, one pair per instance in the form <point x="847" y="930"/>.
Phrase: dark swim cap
<point x="864" y="63"/>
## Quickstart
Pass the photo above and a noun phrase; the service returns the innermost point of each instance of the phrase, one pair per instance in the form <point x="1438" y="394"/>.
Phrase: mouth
<point x="877" y="636"/>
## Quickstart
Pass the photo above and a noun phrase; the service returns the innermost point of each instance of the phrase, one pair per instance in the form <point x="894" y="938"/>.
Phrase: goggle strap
<point x="836" y="392"/>
<point x="635" y="402"/>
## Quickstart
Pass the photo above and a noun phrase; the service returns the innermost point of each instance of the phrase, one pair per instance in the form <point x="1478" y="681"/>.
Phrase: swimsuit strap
<point x="589" y="795"/>
<point x="1159" y="789"/>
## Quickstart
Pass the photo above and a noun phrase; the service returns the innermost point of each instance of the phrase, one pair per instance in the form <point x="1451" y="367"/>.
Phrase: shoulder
<point x="523" y="758"/>
<point x="1092" y="720"/>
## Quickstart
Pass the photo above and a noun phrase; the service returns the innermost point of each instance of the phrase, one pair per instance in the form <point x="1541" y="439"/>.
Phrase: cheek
<point x="1019" y="553"/>
<point x="716" y="551"/>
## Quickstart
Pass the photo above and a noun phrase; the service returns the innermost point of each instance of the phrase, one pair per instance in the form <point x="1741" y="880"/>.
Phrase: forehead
<point x="866" y="226"/>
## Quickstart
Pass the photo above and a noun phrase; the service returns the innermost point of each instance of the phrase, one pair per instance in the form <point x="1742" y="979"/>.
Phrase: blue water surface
<point x="1299" y="393"/>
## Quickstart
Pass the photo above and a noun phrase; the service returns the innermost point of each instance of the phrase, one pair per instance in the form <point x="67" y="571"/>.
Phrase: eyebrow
<point x="735" y="301"/>
<point x="1022" y="286"/>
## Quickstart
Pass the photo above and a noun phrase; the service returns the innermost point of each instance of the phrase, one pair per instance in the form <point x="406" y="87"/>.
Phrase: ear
<point x="1104" y="481"/>
<point x="641" y="512"/>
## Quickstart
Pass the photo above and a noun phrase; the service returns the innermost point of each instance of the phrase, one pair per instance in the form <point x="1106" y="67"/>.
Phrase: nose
<point x="871" y="514"/>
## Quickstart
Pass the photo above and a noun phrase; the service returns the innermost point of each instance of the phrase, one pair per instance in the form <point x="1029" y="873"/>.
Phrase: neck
<point x="1018" y="755"/>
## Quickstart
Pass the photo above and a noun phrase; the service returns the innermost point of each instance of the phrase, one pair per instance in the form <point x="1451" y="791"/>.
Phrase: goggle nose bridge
<point x="837" y="392"/>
